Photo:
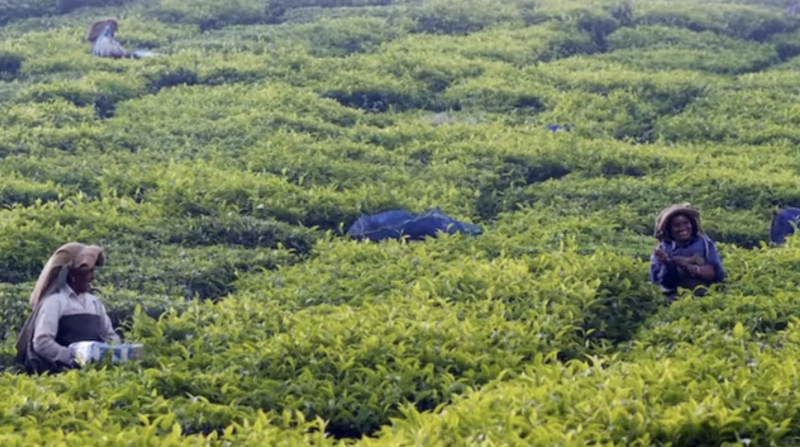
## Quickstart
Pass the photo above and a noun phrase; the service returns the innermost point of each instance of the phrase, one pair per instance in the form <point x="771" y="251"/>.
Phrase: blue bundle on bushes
<point x="401" y="223"/>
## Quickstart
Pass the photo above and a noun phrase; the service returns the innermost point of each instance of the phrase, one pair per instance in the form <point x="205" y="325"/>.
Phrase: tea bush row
<point x="744" y="395"/>
<point x="413" y="345"/>
<point x="228" y="169"/>
<point x="421" y="340"/>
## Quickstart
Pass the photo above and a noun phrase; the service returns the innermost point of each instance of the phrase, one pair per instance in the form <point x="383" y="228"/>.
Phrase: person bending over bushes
<point x="104" y="44"/>
<point x="64" y="311"/>
<point x="685" y="257"/>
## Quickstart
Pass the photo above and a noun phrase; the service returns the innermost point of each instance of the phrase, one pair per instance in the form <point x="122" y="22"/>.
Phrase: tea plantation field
<point x="222" y="176"/>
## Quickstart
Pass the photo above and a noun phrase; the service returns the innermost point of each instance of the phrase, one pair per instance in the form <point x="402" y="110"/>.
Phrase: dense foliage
<point x="222" y="176"/>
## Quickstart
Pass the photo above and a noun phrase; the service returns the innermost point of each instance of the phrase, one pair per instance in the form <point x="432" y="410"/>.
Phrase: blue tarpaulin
<point x="557" y="127"/>
<point x="401" y="223"/>
<point x="782" y="222"/>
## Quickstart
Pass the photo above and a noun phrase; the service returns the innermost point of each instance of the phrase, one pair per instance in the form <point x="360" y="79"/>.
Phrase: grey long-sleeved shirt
<point x="62" y="303"/>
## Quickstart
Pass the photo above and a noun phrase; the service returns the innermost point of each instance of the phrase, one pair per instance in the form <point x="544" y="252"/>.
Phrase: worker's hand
<point x="689" y="267"/>
<point x="73" y="362"/>
<point x="66" y="366"/>
<point x="661" y="256"/>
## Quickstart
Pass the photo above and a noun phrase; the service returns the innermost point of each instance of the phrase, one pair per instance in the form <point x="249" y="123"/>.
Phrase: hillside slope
<point x="222" y="176"/>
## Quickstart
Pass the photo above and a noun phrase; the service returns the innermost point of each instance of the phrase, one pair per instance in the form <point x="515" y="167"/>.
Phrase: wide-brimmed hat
<point x="661" y="232"/>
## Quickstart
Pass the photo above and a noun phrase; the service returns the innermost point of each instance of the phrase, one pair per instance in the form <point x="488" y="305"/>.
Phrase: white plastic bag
<point x="92" y="351"/>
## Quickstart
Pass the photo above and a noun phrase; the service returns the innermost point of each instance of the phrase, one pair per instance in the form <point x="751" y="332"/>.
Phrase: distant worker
<point x="784" y="222"/>
<point x="685" y="256"/>
<point x="64" y="311"/>
<point x="101" y="35"/>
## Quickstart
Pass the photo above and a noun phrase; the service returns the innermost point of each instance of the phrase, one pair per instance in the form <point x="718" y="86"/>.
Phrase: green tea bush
<point x="703" y="398"/>
<point x="209" y="15"/>
<point x="352" y="35"/>
<point x="13" y="10"/>
<point x="740" y="21"/>
<point x="397" y="361"/>
<point x="661" y="47"/>
<point x="102" y="92"/>
<point x="66" y="6"/>
<point x="22" y="191"/>
<point x="222" y="176"/>
<point x="280" y="10"/>
<point x="452" y="17"/>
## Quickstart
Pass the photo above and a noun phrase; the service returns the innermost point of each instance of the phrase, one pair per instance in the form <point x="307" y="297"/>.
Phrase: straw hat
<point x="661" y="232"/>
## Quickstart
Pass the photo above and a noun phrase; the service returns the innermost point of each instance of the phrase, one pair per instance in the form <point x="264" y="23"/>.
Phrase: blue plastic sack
<point x="401" y="223"/>
<point x="380" y="226"/>
<point x="781" y="226"/>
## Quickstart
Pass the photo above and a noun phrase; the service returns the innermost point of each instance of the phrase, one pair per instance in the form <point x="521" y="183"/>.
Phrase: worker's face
<point x="681" y="228"/>
<point x="82" y="280"/>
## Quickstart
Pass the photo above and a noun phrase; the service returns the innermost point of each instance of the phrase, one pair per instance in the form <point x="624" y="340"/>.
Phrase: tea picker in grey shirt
<point x="64" y="311"/>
